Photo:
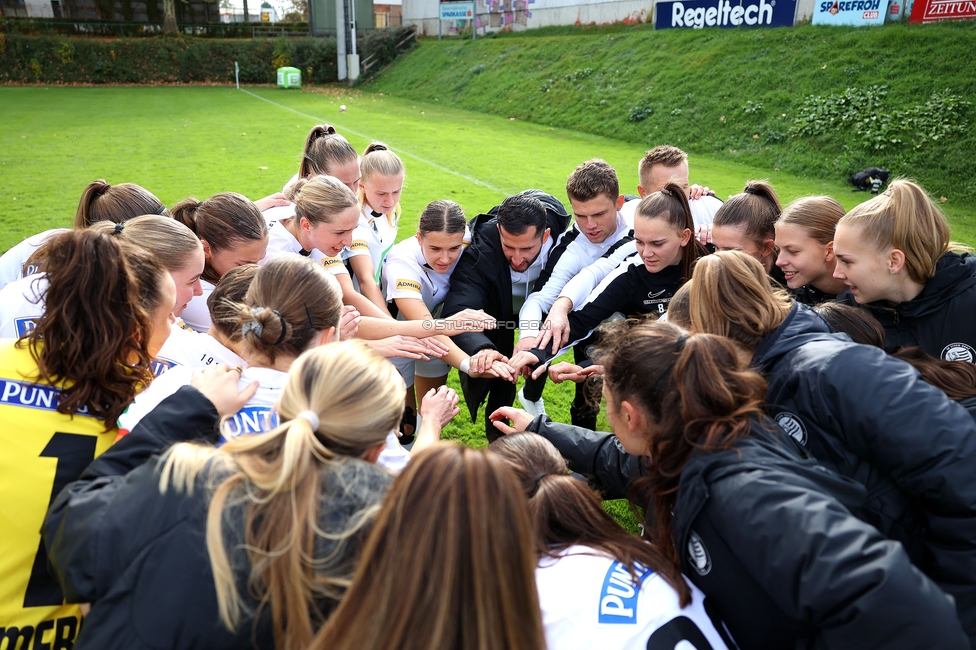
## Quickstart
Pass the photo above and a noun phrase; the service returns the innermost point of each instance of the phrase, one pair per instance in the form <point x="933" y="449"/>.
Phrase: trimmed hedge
<point x="63" y="60"/>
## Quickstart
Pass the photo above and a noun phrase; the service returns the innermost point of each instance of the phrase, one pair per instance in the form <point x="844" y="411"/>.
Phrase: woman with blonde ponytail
<point x="765" y="533"/>
<point x="379" y="196"/>
<point x="895" y="255"/>
<point x="249" y="545"/>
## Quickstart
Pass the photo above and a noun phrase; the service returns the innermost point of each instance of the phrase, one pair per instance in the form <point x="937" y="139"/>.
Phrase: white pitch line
<point x="366" y="137"/>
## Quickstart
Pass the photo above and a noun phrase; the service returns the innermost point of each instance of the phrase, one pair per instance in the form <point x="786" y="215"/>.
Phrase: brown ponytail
<point x="324" y="150"/>
<point x="756" y="210"/>
<point x="957" y="379"/>
<point x="227" y="294"/>
<point x="291" y="300"/>
<point x="565" y="511"/>
<point x="223" y="221"/>
<point x="116" y="203"/>
<point x="94" y="333"/>
<point x="671" y="204"/>
<point x="696" y="391"/>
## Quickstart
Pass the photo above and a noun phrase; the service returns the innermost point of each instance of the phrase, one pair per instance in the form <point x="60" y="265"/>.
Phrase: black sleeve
<point x="88" y="531"/>
<point x="822" y="565"/>
<point x="469" y="290"/>
<point x="595" y="454"/>
<point x="910" y="431"/>
<point x="184" y="415"/>
<point x="615" y="297"/>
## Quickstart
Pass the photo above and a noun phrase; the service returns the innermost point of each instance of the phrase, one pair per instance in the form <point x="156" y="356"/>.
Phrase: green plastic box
<point x="289" y="78"/>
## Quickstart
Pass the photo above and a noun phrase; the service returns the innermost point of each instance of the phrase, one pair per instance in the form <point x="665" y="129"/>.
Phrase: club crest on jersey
<point x="698" y="554"/>
<point x="792" y="425"/>
<point x="959" y="352"/>
<point x="407" y="285"/>
<point x="618" y="598"/>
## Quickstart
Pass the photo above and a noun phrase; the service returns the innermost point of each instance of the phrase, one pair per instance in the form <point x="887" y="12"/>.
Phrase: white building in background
<point x="527" y="14"/>
<point x="257" y="12"/>
<point x="39" y="8"/>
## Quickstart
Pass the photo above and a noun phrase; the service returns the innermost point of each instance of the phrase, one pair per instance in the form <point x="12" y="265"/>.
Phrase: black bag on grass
<point x="871" y="178"/>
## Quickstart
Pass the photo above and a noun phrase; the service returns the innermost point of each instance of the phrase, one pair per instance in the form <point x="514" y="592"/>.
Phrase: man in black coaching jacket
<point x="512" y="247"/>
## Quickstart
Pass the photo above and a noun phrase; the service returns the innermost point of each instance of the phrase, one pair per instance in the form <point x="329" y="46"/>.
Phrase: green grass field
<point x="196" y="141"/>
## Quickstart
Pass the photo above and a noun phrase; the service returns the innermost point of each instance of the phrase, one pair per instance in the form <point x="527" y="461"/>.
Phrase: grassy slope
<point x="591" y="80"/>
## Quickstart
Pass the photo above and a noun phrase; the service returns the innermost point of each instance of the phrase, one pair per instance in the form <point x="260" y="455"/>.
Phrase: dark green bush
<point x="63" y="60"/>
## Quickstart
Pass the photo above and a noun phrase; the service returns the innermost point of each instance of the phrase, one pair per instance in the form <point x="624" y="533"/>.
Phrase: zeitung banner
<point x="928" y="11"/>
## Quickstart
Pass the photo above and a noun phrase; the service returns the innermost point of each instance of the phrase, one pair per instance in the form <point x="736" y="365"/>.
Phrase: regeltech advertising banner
<point x="697" y="14"/>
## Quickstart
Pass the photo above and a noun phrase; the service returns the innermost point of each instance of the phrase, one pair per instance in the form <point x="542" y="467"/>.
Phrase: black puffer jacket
<point x="873" y="418"/>
<point x="942" y="319"/>
<point x="769" y="537"/>
<point x="141" y="557"/>
<point x="786" y="565"/>
<point x="482" y="279"/>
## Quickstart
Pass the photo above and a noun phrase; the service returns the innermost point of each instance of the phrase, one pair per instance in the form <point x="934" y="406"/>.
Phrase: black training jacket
<point x="873" y="418"/>
<point x="942" y="319"/>
<point x="769" y="537"/>
<point x="482" y="280"/>
<point x="810" y="295"/>
<point x="770" y="540"/>
<point x="140" y="557"/>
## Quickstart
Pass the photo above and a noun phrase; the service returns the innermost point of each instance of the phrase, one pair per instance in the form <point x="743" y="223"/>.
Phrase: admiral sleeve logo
<point x="408" y="285"/>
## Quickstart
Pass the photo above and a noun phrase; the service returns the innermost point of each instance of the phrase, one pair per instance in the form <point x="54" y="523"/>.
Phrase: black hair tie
<point x="284" y="327"/>
<point x="536" y="482"/>
<point x="379" y="147"/>
<point x="679" y="344"/>
<point x="752" y="190"/>
<point x="119" y="227"/>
